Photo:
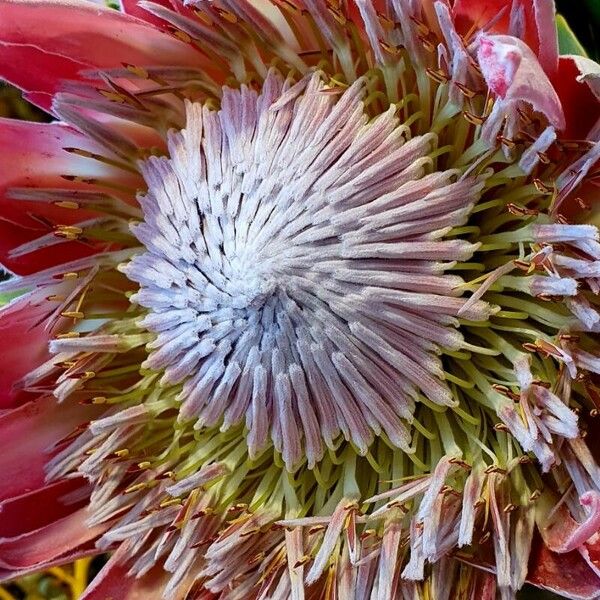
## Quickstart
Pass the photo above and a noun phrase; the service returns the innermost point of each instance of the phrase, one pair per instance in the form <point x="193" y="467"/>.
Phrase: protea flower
<point x="309" y="308"/>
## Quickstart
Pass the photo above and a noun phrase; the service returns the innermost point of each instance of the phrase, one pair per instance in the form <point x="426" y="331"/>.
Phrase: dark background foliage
<point x="584" y="18"/>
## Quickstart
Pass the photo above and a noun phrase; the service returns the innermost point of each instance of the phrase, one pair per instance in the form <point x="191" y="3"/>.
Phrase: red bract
<point x="304" y="313"/>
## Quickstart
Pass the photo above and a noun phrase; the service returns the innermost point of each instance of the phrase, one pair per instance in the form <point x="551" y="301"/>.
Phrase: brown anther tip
<point x="226" y="15"/>
<point x="507" y="142"/>
<point x="465" y="91"/>
<point x="367" y="533"/>
<point x="594" y="412"/>
<point x="437" y="75"/>
<point x="523" y="265"/>
<point x="204" y="17"/>
<point x="206" y="541"/>
<point x="65" y="235"/>
<point x="545" y="384"/>
<point x="73" y="229"/>
<point x="583" y="203"/>
<point x="495" y="469"/>
<point x="541" y="187"/>
<point x="83" y="376"/>
<point x="72" y="314"/>
<point x="386" y="22"/>
<point x="479" y="503"/>
<point x="181" y="35"/>
<point x="68" y="335"/>
<point x="170" y="502"/>
<point x="399" y="505"/>
<point x="66" y="204"/>
<point x="75" y="432"/>
<point x="302" y="561"/>
<point x="79" y="179"/>
<point x="569" y="145"/>
<point x="390" y="49"/>
<point x="509" y="508"/>
<point x="316" y="529"/>
<point x="530" y="347"/>
<point x="251" y="531"/>
<point x="423" y="29"/>
<point x="65" y="364"/>
<point x="472" y="118"/>
<point x="427" y="44"/>
<point x="500" y="427"/>
<point x="139" y="71"/>
<point x="449" y="490"/>
<point x="485" y="537"/>
<point x="112" y="95"/>
<point x="461" y="463"/>
<point x="544" y="158"/>
<point x="502" y="389"/>
<point x="569" y="337"/>
<point x="331" y="91"/>
<point x="525" y="460"/>
<point x="257" y="558"/>
<point x="337" y="14"/>
<point x="287" y="4"/>
<point x="524" y="116"/>
<point x="175" y="526"/>
<point x="521" y="211"/>
<point x="535" y="495"/>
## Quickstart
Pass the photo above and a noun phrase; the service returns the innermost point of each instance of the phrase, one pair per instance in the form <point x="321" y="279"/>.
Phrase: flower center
<point x="295" y="267"/>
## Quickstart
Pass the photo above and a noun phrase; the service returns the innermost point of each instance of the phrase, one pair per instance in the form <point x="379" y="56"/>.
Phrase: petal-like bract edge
<point x="80" y="33"/>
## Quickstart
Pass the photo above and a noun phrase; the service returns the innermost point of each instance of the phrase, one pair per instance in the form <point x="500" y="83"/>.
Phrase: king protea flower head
<point x="309" y="307"/>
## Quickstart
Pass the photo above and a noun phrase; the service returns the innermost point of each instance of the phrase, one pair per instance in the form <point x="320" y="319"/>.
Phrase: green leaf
<point x="567" y="40"/>
<point x="8" y="296"/>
